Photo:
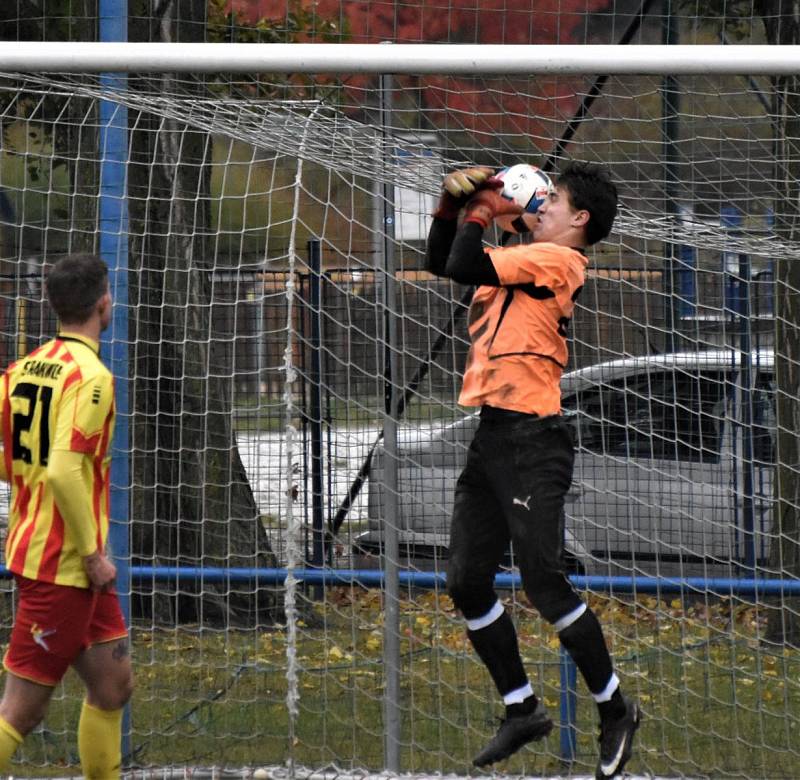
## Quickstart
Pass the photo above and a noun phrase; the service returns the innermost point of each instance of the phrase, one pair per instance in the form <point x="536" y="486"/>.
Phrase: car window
<point x="670" y="415"/>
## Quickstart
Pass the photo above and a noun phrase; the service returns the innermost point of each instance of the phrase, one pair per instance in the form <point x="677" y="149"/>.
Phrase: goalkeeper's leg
<point x="477" y="545"/>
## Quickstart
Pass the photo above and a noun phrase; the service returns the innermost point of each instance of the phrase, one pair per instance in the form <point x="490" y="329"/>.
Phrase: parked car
<point x="662" y="483"/>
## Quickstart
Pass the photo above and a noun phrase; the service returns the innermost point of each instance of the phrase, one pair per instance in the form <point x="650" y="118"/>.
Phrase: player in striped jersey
<point x="57" y="421"/>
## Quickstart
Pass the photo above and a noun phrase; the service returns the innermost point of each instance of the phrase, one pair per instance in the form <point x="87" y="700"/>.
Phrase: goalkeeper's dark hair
<point x="74" y="286"/>
<point x="590" y="189"/>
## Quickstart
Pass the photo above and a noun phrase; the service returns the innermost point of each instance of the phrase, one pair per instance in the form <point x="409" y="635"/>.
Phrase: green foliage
<point x="737" y="17"/>
<point x="299" y="25"/>
<point x="48" y="20"/>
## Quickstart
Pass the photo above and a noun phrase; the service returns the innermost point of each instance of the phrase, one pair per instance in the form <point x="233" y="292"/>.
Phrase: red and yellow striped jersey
<point x="59" y="397"/>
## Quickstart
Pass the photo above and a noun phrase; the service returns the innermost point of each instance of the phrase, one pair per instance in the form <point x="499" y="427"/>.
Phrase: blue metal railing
<point x="371" y="578"/>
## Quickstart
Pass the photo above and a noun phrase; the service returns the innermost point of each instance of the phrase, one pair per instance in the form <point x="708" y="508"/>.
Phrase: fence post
<point x="113" y="246"/>
<point x="314" y="413"/>
<point x="569" y="706"/>
<point x="746" y="373"/>
<point x="670" y="155"/>
<point x="391" y="540"/>
<point x="737" y="270"/>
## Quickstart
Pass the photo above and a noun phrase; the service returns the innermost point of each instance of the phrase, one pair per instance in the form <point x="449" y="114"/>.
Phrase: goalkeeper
<point x="57" y="421"/>
<point x="519" y="465"/>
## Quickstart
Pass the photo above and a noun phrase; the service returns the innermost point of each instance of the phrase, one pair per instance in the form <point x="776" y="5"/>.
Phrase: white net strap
<point x="294" y="520"/>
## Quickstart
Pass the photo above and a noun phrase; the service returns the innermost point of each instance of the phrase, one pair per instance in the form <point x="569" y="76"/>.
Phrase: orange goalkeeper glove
<point x="457" y="188"/>
<point x="487" y="204"/>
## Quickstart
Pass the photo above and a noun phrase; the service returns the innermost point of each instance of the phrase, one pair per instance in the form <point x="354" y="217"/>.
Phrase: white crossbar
<point x="396" y="58"/>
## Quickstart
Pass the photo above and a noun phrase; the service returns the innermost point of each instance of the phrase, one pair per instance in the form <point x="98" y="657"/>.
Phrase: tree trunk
<point x="782" y="27"/>
<point x="193" y="505"/>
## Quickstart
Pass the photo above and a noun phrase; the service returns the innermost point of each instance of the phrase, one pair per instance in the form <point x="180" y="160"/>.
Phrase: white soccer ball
<point x="528" y="186"/>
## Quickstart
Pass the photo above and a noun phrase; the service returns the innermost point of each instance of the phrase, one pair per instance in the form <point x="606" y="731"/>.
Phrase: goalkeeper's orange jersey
<point x="519" y="330"/>
<point x="59" y="397"/>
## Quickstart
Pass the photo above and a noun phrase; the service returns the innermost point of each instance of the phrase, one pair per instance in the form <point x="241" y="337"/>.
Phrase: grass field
<point x="717" y="702"/>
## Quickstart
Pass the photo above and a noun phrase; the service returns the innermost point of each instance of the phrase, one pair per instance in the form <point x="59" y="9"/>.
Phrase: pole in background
<point x="318" y="552"/>
<point x="731" y="219"/>
<point x="569" y="707"/>
<point x="742" y="279"/>
<point x="747" y="377"/>
<point x="391" y="544"/>
<point x="670" y="107"/>
<point x="736" y="306"/>
<point x="113" y="243"/>
<point x="687" y="271"/>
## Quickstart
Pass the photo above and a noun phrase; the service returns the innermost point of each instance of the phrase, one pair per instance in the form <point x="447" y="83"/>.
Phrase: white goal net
<point x="274" y="265"/>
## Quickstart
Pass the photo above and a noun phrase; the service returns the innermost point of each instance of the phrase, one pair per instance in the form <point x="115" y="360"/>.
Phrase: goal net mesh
<point x="258" y="383"/>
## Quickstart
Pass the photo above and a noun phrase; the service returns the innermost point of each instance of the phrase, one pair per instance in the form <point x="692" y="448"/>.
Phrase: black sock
<point x="614" y="708"/>
<point x="496" y="644"/>
<point x="584" y="641"/>
<point x="525" y="707"/>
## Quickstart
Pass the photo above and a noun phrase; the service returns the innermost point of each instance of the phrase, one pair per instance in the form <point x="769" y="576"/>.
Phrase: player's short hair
<point x="590" y="189"/>
<point x="74" y="286"/>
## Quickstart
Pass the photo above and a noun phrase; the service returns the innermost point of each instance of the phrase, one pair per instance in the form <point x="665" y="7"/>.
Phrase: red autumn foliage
<point x="447" y="21"/>
<point x="525" y="106"/>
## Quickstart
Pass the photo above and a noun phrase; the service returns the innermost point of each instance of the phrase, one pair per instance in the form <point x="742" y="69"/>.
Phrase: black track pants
<point x="519" y="469"/>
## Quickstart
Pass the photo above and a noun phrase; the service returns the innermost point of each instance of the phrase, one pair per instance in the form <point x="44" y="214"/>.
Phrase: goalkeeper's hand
<point x="488" y="203"/>
<point x="458" y="187"/>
